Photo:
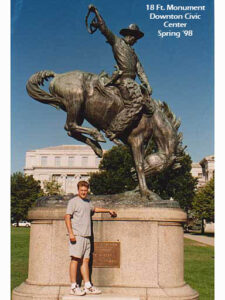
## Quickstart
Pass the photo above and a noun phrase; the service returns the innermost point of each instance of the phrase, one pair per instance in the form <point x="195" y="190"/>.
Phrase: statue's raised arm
<point x="99" y="23"/>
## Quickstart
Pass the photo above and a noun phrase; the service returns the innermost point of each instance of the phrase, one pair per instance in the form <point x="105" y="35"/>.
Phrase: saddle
<point x="106" y="89"/>
<point x="105" y="86"/>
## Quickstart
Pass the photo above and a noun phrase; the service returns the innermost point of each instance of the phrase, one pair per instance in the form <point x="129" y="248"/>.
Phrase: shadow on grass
<point x="209" y="234"/>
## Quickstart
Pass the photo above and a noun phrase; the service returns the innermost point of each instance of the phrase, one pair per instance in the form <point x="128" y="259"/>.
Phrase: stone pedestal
<point x="101" y="297"/>
<point x="151" y="255"/>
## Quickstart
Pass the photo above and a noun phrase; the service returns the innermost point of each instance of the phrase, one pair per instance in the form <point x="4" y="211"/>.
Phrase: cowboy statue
<point x="128" y="66"/>
<point x="116" y="105"/>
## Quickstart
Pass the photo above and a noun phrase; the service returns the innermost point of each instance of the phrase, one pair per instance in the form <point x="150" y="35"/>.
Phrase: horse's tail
<point x="40" y="95"/>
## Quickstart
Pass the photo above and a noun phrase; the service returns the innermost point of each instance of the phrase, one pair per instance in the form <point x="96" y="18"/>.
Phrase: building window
<point x="71" y="161"/>
<point x="56" y="177"/>
<point x="84" y="161"/>
<point x="57" y="161"/>
<point x="84" y="177"/>
<point x="44" y="161"/>
<point x="70" y="178"/>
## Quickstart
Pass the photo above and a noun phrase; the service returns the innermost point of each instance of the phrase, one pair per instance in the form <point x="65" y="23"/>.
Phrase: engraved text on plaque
<point x="106" y="255"/>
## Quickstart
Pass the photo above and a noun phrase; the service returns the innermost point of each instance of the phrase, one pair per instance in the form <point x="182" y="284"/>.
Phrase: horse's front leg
<point x="93" y="144"/>
<point x="138" y="155"/>
<point x="74" y="128"/>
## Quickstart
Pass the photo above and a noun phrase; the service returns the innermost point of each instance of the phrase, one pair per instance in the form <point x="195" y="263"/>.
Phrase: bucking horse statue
<point x="86" y="96"/>
<point x="79" y="95"/>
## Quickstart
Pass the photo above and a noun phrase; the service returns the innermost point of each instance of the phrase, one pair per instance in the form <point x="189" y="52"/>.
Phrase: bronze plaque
<point x="106" y="255"/>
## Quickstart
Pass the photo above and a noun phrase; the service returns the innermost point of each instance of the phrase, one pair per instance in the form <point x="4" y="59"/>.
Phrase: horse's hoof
<point x="144" y="198"/>
<point x="117" y="142"/>
<point x="153" y="197"/>
<point x="99" y="137"/>
<point x="99" y="152"/>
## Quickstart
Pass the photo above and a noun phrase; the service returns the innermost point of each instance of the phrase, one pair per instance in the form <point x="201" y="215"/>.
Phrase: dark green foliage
<point x="114" y="176"/>
<point x="203" y="203"/>
<point x="52" y="188"/>
<point x="178" y="184"/>
<point x="24" y="191"/>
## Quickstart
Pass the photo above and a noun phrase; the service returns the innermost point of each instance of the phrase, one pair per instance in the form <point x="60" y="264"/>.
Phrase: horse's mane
<point x="175" y="123"/>
<point x="170" y="115"/>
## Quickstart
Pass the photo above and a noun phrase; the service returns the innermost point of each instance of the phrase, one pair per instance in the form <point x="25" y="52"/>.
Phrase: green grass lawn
<point x="199" y="268"/>
<point x="198" y="265"/>
<point x="19" y="255"/>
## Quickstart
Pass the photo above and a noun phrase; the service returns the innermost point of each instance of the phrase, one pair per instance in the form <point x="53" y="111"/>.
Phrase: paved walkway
<point x="200" y="238"/>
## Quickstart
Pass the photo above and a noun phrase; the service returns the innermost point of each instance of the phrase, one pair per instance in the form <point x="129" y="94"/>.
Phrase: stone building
<point x="204" y="170"/>
<point x="66" y="164"/>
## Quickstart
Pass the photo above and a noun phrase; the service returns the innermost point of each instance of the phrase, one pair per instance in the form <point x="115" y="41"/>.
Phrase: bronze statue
<point x="128" y="65"/>
<point x="117" y="106"/>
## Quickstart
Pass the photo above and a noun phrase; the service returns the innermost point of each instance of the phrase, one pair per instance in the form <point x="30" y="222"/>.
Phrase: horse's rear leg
<point x="138" y="154"/>
<point x="75" y="118"/>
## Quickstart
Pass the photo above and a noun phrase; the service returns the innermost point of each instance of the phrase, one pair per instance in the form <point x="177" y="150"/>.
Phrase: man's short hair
<point x="82" y="183"/>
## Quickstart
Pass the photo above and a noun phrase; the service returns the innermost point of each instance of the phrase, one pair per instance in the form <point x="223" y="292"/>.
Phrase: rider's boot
<point x="116" y="75"/>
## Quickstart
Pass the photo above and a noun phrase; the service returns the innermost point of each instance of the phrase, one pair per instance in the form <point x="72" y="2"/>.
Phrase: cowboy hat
<point x="132" y="29"/>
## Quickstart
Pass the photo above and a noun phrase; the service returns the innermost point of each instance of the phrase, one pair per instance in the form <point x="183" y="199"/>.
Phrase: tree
<point x="115" y="177"/>
<point x="24" y="191"/>
<point x="52" y="188"/>
<point x="178" y="184"/>
<point x="203" y="203"/>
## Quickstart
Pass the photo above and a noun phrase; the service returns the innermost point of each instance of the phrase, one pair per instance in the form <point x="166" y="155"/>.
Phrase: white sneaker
<point x="92" y="290"/>
<point x="77" y="291"/>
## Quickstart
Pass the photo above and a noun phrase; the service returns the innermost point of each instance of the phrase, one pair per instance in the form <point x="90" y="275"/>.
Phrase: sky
<point x="51" y="35"/>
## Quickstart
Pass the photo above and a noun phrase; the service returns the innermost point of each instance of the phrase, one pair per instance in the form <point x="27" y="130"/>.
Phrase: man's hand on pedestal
<point x="112" y="213"/>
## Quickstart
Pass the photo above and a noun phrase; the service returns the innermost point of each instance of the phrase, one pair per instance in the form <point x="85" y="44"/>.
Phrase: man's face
<point x="131" y="39"/>
<point x="82" y="192"/>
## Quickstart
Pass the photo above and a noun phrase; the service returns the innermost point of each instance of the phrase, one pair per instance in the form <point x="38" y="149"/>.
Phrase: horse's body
<point x="82" y="96"/>
<point x="77" y="88"/>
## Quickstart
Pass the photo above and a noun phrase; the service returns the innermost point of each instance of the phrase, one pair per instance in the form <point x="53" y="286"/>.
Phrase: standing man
<point x="78" y="223"/>
<point x="128" y="66"/>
